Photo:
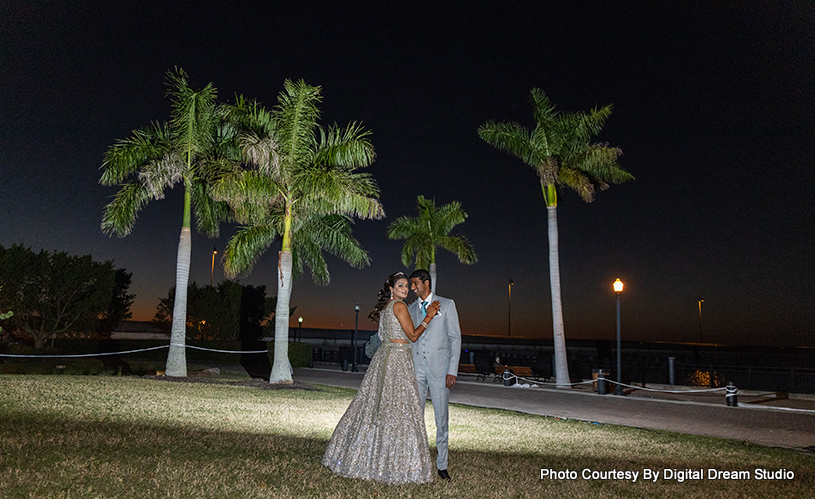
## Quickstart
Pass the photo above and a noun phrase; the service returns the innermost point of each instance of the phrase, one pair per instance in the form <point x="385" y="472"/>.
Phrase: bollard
<point x="344" y="364"/>
<point x="731" y="395"/>
<point x="671" y="370"/>
<point x="601" y="383"/>
<point x="509" y="378"/>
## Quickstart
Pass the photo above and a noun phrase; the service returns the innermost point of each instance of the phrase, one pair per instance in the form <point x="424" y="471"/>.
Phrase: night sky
<point x="712" y="109"/>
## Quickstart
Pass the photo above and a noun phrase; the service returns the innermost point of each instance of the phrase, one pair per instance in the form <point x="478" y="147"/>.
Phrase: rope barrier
<point x="65" y="356"/>
<point x="221" y="351"/>
<point x="749" y="406"/>
<point x="80" y="355"/>
<point x="511" y="376"/>
<point x="667" y="391"/>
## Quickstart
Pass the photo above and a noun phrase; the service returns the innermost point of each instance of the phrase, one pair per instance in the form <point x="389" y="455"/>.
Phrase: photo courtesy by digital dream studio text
<point x="667" y="474"/>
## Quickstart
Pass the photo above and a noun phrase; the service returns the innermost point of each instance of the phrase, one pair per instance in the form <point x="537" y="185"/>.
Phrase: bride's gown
<point x="382" y="435"/>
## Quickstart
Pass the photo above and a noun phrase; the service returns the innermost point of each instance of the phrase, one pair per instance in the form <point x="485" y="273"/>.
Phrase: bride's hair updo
<point x="385" y="295"/>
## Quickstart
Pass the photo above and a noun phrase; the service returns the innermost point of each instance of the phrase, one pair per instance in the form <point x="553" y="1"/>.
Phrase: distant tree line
<point x="227" y="311"/>
<point x="61" y="294"/>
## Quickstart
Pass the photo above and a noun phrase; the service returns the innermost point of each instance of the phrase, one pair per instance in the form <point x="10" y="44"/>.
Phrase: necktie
<point x="424" y="307"/>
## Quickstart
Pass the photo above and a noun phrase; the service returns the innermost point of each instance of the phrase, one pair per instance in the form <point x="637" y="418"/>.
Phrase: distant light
<point x="618" y="286"/>
<point x="300" y="320"/>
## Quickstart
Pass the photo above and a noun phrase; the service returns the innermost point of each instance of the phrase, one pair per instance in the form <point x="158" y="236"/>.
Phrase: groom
<point x="435" y="356"/>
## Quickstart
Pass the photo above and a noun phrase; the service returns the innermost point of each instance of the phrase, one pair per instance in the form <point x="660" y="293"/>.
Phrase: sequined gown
<point x="382" y="434"/>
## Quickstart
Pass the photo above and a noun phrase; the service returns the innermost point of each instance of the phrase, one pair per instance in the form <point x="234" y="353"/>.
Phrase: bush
<point x="299" y="354"/>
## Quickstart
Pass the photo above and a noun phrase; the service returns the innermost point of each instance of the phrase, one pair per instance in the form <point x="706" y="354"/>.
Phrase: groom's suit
<point x="435" y="355"/>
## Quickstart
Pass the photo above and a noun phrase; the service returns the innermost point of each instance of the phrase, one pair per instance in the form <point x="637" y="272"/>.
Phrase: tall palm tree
<point x="560" y="152"/>
<point x="431" y="229"/>
<point x="301" y="184"/>
<point x="191" y="150"/>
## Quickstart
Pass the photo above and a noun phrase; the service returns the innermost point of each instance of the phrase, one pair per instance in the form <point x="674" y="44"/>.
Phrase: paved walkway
<point x="762" y="418"/>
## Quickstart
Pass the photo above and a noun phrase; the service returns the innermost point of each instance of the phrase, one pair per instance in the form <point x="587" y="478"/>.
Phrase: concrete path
<point x="763" y="419"/>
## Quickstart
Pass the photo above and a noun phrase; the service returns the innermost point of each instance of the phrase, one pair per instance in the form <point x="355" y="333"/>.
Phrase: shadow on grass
<point x="53" y="455"/>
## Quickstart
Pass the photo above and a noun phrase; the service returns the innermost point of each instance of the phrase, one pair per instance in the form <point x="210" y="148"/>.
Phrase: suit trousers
<point x="439" y="395"/>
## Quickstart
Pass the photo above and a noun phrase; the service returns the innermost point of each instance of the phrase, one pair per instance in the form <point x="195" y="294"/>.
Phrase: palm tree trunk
<point x="177" y="356"/>
<point x="280" y="368"/>
<point x="561" y="364"/>
<point x="432" y="271"/>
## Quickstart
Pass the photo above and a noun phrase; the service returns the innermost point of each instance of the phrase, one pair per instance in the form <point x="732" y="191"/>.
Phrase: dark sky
<point x="713" y="111"/>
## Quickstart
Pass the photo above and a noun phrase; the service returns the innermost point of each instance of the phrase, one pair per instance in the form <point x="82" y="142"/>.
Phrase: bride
<point x="382" y="435"/>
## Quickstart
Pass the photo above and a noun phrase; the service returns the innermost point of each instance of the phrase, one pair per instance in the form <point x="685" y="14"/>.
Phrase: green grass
<point x="109" y="436"/>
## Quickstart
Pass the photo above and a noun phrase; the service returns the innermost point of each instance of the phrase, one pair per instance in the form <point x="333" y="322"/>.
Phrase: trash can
<point x="344" y="364"/>
<point x="595" y="374"/>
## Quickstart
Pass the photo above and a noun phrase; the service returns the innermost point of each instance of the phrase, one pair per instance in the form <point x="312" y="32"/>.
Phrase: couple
<point x="382" y="435"/>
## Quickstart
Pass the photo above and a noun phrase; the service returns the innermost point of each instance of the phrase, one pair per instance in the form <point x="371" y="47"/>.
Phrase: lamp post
<point x="212" y="272"/>
<point x="509" y="309"/>
<point x="618" y="288"/>
<point x="300" y="328"/>
<point x="700" y="318"/>
<point x="354" y="338"/>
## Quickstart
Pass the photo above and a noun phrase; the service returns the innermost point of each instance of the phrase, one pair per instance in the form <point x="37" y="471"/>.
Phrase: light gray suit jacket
<point x="441" y="342"/>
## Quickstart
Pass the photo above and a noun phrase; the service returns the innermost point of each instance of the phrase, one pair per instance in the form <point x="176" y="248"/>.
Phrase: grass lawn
<point x="131" y="437"/>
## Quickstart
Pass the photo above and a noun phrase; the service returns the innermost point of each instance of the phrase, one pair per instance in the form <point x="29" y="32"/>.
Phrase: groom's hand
<point x="451" y="381"/>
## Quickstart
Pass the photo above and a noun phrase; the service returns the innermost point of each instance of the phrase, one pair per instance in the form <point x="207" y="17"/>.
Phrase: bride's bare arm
<point x="400" y="310"/>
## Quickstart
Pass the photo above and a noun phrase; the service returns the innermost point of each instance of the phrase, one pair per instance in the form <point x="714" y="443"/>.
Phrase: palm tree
<point x="560" y="152"/>
<point x="191" y="150"/>
<point x="300" y="184"/>
<point x="431" y="229"/>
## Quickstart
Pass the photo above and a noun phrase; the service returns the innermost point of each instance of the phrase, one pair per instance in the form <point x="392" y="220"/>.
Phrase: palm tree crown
<point x="558" y="148"/>
<point x="431" y="229"/>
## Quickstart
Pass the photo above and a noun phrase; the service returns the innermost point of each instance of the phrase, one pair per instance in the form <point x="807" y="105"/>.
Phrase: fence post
<point x="671" y="370"/>
<point x="731" y="395"/>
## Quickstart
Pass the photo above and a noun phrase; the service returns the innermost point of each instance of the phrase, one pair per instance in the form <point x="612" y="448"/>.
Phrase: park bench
<point x="467" y="368"/>
<point x="481" y="371"/>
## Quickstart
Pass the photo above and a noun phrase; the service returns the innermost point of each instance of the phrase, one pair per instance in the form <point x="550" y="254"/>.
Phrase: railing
<point x="776" y="379"/>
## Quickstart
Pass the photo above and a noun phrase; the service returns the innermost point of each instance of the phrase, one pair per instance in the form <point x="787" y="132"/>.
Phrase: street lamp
<point x="354" y="338"/>
<point x="509" y="309"/>
<point x="700" y="318"/>
<point x="300" y="328"/>
<point x="618" y="288"/>
<point x="212" y="273"/>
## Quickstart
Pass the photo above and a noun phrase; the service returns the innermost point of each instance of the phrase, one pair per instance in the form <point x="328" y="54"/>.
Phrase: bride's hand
<point x="433" y="308"/>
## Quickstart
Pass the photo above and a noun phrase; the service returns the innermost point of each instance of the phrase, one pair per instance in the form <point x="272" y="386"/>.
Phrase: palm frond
<point x="329" y="190"/>
<point x="349" y="147"/>
<point x="578" y="181"/>
<point x="448" y="216"/>
<point x="461" y="247"/>
<point x="510" y="137"/>
<point x="128" y="155"/>
<point x="306" y="252"/>
<point x="193" y="111"/>
<point x="120" y="214"/>
<point x="413" y="249"/>
<point x="542" y="109"/>
<point x="336" y="237"/>
<point x="402" y="228"/>
<point x="245" y="247"/>
<point x="296" y="117"/>
<point x="163" y="173"/>
<point x="208" y="212"/>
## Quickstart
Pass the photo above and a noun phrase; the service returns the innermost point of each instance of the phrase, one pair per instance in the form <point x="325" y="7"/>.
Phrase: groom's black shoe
<point x="444" y="475"/>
